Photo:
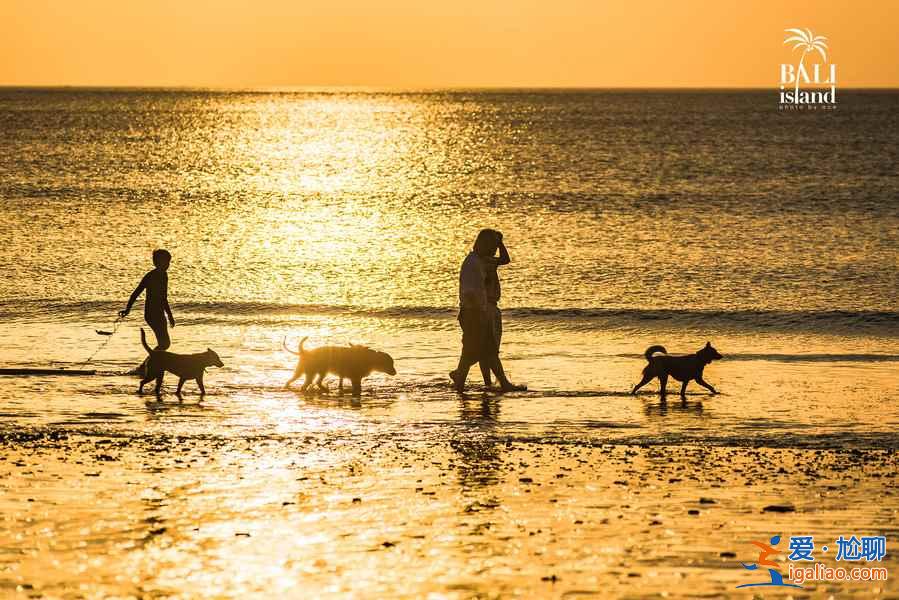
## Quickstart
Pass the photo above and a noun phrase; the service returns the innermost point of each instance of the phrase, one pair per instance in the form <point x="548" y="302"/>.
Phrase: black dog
<point x="683" y="368"/>
<point x="185" y="366"/>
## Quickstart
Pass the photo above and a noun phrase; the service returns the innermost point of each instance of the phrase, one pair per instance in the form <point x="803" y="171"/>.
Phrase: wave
<point x="803" y="358"/>
<point x="877" y="322"/>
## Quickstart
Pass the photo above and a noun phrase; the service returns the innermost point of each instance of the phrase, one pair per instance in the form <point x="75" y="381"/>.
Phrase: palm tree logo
<point x="808" y="43"/>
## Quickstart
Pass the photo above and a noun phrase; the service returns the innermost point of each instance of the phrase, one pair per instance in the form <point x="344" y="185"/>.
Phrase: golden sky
<point x="425" y="43"/>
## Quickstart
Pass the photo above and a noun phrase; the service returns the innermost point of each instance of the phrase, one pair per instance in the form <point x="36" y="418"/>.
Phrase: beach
<point x="412" y="491"/>
<point x="632" y="219"/>
<point x="376" y="508"/>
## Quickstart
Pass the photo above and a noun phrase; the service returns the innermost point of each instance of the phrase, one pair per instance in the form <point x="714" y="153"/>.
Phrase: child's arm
<point x="137" y="292"/>
<point x="165" y="300"/>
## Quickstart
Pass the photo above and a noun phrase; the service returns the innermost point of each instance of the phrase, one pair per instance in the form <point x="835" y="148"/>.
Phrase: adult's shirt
<point x="471" y="281"/>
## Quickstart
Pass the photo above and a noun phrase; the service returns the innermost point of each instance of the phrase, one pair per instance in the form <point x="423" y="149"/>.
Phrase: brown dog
<point x="683" y="368"/>
<point x="185" y="366"/>
<point x="353" y="363"/>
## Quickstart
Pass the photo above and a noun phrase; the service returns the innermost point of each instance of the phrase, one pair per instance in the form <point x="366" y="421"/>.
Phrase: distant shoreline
<point x="401" y="91"/>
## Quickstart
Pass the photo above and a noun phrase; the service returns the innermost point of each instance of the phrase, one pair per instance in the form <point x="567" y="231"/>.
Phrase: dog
<point x="185" y="366"/>
<point x="353" y="363"/>
<point x="683" y="368"/>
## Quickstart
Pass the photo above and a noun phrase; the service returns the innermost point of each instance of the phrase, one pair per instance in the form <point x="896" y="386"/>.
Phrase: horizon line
<point x="401" y="89"/>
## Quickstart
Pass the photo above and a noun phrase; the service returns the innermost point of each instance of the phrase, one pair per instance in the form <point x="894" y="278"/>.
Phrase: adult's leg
<point x="472" y="325"/>
<point x="491" y="347"/>
<point x="495" y="334"/>
<point x="505" y="384"/>
<point x="496" y="330"/>
<point x="485" y="372"/>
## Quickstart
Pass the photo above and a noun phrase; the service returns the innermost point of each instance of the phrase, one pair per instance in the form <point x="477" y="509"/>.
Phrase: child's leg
<point x="161" y="331"/>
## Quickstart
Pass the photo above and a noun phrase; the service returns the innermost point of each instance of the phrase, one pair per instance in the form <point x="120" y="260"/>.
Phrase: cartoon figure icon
<point x="777" y="579"/>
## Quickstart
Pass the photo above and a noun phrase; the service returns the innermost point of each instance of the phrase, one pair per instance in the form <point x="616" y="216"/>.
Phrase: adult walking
<point x="476" y="314"/>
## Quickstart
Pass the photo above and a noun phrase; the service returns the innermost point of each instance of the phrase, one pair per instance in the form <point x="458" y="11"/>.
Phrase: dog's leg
<point x="143" y="382"/>
<point x="159" y="379"/>
<point x="295" y="376"/>
<point x="181" y="381"/>
<point x="200" y="383"/>
<point x="663" y="383"/>
<point x="148" y="375"/>
<point x="321" y="382"/>
<point x="707" y="386"/>
<point x="357" y="386"/>
<point x="646" y="379"/>
<point x="307" y="381"/>
<point x="683" y="389"/>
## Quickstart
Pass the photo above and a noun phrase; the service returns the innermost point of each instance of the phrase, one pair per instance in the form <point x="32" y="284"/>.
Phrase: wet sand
<point x="572" y="489"/>
<point x="472" y="514"/>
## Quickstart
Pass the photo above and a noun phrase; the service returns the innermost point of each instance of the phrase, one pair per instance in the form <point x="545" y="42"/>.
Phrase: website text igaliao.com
<point x="819" y="572"/>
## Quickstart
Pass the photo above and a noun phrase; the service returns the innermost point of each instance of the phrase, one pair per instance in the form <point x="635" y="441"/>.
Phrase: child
<point x="156" y="306"/>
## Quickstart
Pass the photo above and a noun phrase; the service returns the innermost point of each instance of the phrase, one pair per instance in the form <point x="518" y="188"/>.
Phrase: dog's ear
<point x="708" y="344"/>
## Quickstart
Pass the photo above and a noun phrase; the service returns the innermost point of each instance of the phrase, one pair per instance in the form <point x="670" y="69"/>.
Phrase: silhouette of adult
<point x="476" y="314"/>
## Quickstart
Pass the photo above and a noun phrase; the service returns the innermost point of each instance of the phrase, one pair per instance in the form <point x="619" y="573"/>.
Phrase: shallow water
<point x="817" y="398"/>
<point x="632" y="218"/>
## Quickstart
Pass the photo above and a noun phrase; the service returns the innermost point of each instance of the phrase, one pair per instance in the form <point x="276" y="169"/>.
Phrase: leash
<point x="108" y="334"/>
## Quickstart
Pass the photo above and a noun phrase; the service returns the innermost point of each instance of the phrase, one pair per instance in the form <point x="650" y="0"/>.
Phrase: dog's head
<point x="384" y="363"/>
<point x="708" y="353"/>
<point x="212" y="359"/>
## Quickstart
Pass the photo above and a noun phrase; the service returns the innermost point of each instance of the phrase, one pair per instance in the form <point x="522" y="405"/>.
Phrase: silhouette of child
<point x="156" y="305"/>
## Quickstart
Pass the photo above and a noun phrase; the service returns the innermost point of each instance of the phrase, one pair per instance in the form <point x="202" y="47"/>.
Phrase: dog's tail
<point x="143" y="340"/>
<point x="652" y="350"/>
<point x="300" y="353"/>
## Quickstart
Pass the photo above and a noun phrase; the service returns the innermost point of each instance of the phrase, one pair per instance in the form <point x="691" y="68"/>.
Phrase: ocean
<point x="633" y="218"/>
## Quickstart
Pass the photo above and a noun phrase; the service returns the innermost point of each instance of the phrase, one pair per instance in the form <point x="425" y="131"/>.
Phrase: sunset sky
<point x="421" y="43"/>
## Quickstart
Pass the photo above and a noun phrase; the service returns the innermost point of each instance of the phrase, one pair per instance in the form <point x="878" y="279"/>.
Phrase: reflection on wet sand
<point x="679" y="407"/>
<point x="478" y="448"/>
<point x="326" y="400"/>
<point x="461" y="510"/>
<point x="573" y="487"/>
